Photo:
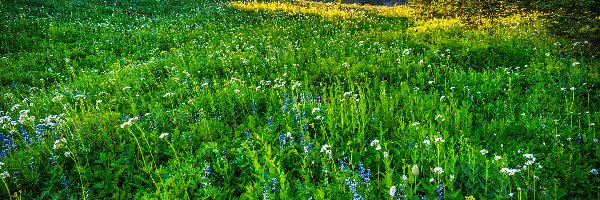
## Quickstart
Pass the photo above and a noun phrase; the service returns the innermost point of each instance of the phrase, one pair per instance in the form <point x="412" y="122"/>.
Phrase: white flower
<point x="129" y="122"/>
<point x="575" y="64"/>
<point x="572" y="88"/>
<point x="67" y="153"/>
<point x="406" y="51"/>
<point x="374" y="142"/>
<point x="236" y="91"/>
<point x="258" y="88"/>
<point x="415" y="170"/>
<point x="163" y="135"/>
<point x="594" y="171"/>
<point x="430" y="82"/>
<point x="438" y="170"/>
<point x="204" y="85"/>
<point x="437" y="140"/>
<point x="168" y="94"/>
<point x="58" y="143"/>
<point x="319" y="117"/>
<point x="442" y="97"/>
<point x="432" y="180"/>
<point x="393" y="191"/>
<point x="529" y="156"/>
<point x="1" y="164"/>
<point x="498" y="157"/>
<point x="386" y="154"/>
<point x="404" y="177"/>
<point x="315" y="110"/>
<point x="5" y="175"/>
<point x="451" y="177"/>
<point x="325" y="148"/>
<point x="426" y="142"/>
<point x="483" y="152"/>
<point x="378" y="147"/>
<point x="511" y="194"/>
<point x="529" y="162"/>
<point x="509" y="171"/>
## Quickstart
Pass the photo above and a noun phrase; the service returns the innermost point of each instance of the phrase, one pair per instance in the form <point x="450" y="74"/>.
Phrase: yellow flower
<point x="470" y="197"/>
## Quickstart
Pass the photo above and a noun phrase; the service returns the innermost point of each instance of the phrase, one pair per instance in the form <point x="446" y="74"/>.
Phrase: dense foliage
<point x="574" y="19"/>
<point x="292" y="100"/>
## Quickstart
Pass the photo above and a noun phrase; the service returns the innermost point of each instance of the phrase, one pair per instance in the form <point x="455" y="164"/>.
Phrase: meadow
<point x="192" y="99"/>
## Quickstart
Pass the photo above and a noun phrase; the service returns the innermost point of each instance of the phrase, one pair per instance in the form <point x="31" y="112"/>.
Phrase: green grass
<point x="202" y="100"/>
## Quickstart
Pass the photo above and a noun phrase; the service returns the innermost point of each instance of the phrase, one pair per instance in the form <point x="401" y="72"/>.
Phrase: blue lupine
<point x="64" y="182"/>
<point x="207" y="171"/>
<point x="440" y="191"/>
<point x="270" y="122"/>
<point x="282" y="140"/>
<point x="365" y="174"/>
<point x="274" y="182"/>
<point x="248" y="133"/>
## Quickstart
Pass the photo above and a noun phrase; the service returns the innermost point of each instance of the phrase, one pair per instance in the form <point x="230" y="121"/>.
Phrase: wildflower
<point x="319" y="117"/>
<point x="236" y="91"/>
<point x="67" y="153"/>
<point x="415" y="170"/>
<point x="438" y="170"/>
<point x="426" y="142"/>
<point x="529" y="156"/>
<point x="386" y="154"/>
<point x="404" y="177"/>
<point x="483" y="152"/>
<point x="274" y="181"/>
<point x="315" y="110"/>
<point x="393" y="191"/>
<point x="572" y="88"/>
<point x="129" y="122"/>
<point x="431" y="180"/>
<point x="406" y="51"/>
<point x="470" y="197"/>
<point x="498" y="157"/>
<point x="5" y="174"/>
<point x="451" y="177"/>
<point x="58" y="143"/>
<point x="575" y="64"/>
<point x="440" y="192"/>
<point x="442" y="97"/>
<point x="325" y="148"/>
<point x="594" y="171"/>
<point x="438" y="140"/>
<point x="374" y="142"/>
<point x="509" y="171"/>
<point x="163" y="135"/>
<point x="365" y="174"/>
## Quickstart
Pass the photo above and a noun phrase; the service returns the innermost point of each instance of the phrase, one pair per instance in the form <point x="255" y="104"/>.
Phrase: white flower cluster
<point x="509" y="171"/>
<point x="375" y="143"/>
<point x="129" y="122"/>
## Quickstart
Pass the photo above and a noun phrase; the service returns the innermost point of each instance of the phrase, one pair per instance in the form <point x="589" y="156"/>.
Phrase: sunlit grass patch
<point x="324" y="11"/>
<point x="327" y="10"/>
<point x="435" y="25"/>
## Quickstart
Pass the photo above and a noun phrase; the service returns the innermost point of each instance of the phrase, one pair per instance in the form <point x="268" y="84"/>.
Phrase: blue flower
<point x="440" y="192"/>
<point x="365" y="174"/>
